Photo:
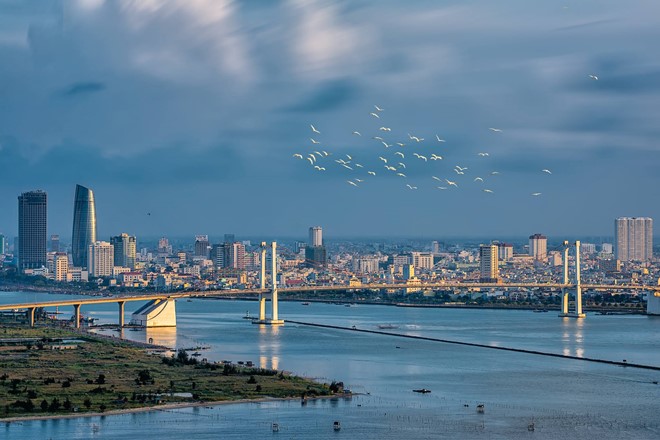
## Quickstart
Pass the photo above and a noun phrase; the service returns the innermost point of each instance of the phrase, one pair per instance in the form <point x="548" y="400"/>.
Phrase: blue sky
<point x="191" y="110"/>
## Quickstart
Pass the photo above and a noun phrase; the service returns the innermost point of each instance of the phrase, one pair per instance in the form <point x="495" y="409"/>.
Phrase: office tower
<point x="538" y="247"/>
<point x="124" y="250"/>
<point x="633" y="238"/>
<point x="3" y="244"/>
<point x="218" y="255"/>
<point x="54" y="243"/>
<point x="315" y="236"/>
<point x="504" y="251"/>
<point x="32" y="218"/>
<point x="236" y="255"/>
<point x="488" y="263"/>
<point x="435" y="247"/>
<point x="422" y="260"/>
<point x="100" y="259"/>
<point x="202" y="246"/>
<point x="230" y="238"/>
<point x="84" y="225"/>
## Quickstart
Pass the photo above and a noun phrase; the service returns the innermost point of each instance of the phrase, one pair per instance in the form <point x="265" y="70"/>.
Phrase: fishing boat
<point x="336" y="426"/>
<point x="422" y="390"/>
<point x="275" y="427"/>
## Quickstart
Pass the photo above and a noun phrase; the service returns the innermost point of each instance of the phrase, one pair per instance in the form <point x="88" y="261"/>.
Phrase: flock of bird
<point x="394" y="163"/>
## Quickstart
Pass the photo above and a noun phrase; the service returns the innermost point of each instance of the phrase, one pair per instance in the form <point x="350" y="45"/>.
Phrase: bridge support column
<point x="564" y="290"/>
<point x="121" y="313"/>
<point x="578" y="285"/>
<point x="76" y="315"/>
<point x="274" y="319"/>
<point x="30" y="316"/>
<point x="262" y="297"/>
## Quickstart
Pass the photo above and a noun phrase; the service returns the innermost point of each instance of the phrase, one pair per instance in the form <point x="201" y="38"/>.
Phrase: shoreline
<point x="166" y="406"/>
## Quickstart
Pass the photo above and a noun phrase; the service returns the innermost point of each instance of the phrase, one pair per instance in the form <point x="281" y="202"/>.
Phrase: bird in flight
<point x="357" y="133"/>
<point x="450" y="183"/>
<point x="349" y="157"/>
<point x="438" y="138"/>
<point x="435" y="157"/>
<point x="387" y="167"/>
<point x="400" y="144"/>
<point x="488" y="191"/>
<point x="400" y="174"/>
<point x="479" y="179"/>
<point x="378" y="138"/>
<point x="494" y="173"/>
<point x="374" y="115"/>
<point x="497" y="130"/>
<point x="373" y="173"/>
<point x="313" y="141"/>
<point x="594" y="77"/>
<point x="536" y="194"/>
<point x="386" y="144"/>
<point x="410" y="186"/>
<point x="314" y="129"/>
<point x="437" y="178"/>
<point x="441" y="187"/>
<point x="299" y="156"/>
<point x="385" y="129"/>
<point x="319" y="168"/>
<point x="378" y="109"/>
<point x="382" y="158"/>
<point x="359" y="165"/>
<point x="403" y="165"/>
<point x="546" y="171"/>
<point x="310" y="160"/>
<point x="351" y="182"/>
<point x="400" y="154"/>
<point x="483" y="154"/>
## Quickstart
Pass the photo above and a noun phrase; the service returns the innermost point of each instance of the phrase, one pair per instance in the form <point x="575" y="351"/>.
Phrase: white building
<point x="607" y="248"/>
<point x="538" y="247"/>
<point x="422" y="260"/>
<point x="633" y="238"/>
<point x="488" y="263"/>
<point x="100" y="259"/>
<point x="365" y="265"/>
<point x="315" y="236"/>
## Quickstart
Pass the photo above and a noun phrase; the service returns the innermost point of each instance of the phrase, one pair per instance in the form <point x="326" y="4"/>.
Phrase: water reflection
<point x="161" y="336"/>
<point x="269" y="346"/>
<point x="572" y="336"/>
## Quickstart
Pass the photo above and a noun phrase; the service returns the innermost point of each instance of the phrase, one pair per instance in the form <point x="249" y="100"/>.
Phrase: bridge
<point x="162" y="304"/>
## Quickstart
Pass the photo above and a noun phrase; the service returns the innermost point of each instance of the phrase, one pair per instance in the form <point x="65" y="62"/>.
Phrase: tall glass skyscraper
<point x="32" y="217"/>
<point x="84" y="225"/>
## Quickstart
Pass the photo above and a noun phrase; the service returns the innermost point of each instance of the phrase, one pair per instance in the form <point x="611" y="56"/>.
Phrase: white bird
<point x="313" y="157"/>
<point x="441" y="187"/>
<point x="400" y="144"/>
<point x="390" y="168"/>
<point x="382" y="158"/>
<point x="318" y="154"/>
<point x="479" y="179"/>
<point x="417" y="139"/>
<point x="378" y="109"/>
<point x="410" y="186"/>
<point x="386" y="144"/>
<point x="482" y="154"/>
<point x="352" y="183"/>
<point x="311" y="162"/>
<point x="359" y="180"/>
<point x="359" y="165"/>
<point x="299" y="156"/>
<point x="325" y="153"/>
<point x="374" y="115"/>
<point x="536" y="194"/>
<point x="357" y="133"/>
<point x="546" y="171"/>
<point x="403" y="165"/>
<point x="340" y="161"/>
<point x="424" y="158"/>
<point x="435" y="157"/>
<point x="319" y="168"/>
<point x="497" y="130"/>
<point x="438" y="138"/>
<point x="314" y="129"/>
<point x="488" y="191"/>
<point x="373" y="173"/>
<point x="401" y="174"/>
<point x="347" y="167"/>
<point x="458" y="172"/>
<point x="416" y="154"/>
<point x="594" y="77"/>
<point x="313" y="141"/>
<point x="450" y="183"/>
<point x="349" y="157"/>
<point x="385" y="129"/>
<point x="400" y="154"/>
<point x="494" y="173"/>
<point x="378" y="138"/>
<point x="460" y="168"/>
<point x="437" y="178"/>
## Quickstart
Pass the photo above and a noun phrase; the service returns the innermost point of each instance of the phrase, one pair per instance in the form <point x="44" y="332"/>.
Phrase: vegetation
<point x="102" y="375"/>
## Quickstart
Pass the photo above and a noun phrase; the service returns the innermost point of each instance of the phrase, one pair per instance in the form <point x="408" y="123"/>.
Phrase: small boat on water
<point x="422" y="390"/>
<point x="305" y="304"/>
<point x="480" y="408"/>
<point x="275" y="427"/>
<point x="336" y="426"/>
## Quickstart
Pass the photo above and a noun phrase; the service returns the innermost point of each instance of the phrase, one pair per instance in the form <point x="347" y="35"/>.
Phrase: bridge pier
<point x="564" y="290"/>
<point x="565" y="312"/>
<point x="76" y="315"/>
<point x="274" y="319"/>
<point x="30" y="316"/>
<point x="121" y="313"/>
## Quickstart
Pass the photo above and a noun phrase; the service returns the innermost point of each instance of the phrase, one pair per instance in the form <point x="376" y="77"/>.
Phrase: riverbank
<point x="49" y="371"/>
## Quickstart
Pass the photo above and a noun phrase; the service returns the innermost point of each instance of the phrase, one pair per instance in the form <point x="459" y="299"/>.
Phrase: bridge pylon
<point x="272" y="295"/>
<point x="565" y="312"/>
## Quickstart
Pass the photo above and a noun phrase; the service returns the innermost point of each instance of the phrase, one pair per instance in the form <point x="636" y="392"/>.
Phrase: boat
<point x="481" y="408"/>
<point x="305" y="304"/>
<point x="387" y="326"/>
<point x="247" y="315"/>
<point x="422" y="390"/>
<point x="336" y="426"/>
<point x="275" y="427"/>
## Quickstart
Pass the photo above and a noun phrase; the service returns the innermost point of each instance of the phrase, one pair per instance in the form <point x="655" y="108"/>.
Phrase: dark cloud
<point x="83" y="88"/>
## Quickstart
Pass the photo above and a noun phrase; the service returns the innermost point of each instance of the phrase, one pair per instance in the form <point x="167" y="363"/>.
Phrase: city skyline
<point x="245" y="105"/>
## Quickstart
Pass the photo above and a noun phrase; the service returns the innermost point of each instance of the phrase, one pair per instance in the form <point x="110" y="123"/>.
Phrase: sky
<point x="183" y="116"/>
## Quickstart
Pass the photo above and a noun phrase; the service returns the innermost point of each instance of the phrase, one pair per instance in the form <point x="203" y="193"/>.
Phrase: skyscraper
<point x="84" y="225"/>
<point x="488" y="263"/>
<point x="3" y="244"/>
<point x="32" y="219"/>
<point x="202" y="246"/>
<point x="538" y="247"/>
<point x="100" y="259"/>
<point x="124" y="250"/>
<point x="633" y="238"/>
<point x="315" y="254"/>
<point x="315" y="236"/>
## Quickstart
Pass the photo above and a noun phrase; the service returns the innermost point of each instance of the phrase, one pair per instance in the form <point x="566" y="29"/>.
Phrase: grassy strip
<point x="103" y="375"/>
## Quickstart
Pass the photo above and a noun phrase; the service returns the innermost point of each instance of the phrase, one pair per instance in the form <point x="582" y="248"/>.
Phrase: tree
<point x="101" y="379"/>
<point x="44" y="405"/>
<point x="252" y="380"/>
<point x="87" y="402"/>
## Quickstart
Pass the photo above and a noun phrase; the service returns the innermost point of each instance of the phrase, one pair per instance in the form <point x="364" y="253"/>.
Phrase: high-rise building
<point x="422" y="260"/>
<point x="84" y="225"/>
<point x="124" y="250"/>
<point x="60" y="266"/>
<point x="633" y="238"/>
<point x="100" y="259"/>
<point x="3" y="244"/>
<point x="236" y="255"/>
<point x="218" y="255"/>
<point x="488" y="263"/>
<point x="164" y="246"/>
<point x="202" y="246"/>
<point x="538" y="247"/>
<point x="32" y="220"/>
<point x="504" y="251"/>
<point x="54" y="243"/>
<point x="316" y="236"/>
<point x="435" y="247"/>
<point x="607" y="248"/>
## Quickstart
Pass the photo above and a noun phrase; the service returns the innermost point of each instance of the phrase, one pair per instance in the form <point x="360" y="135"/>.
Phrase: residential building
<point x="504" y="251"/>
<point x="84" y="225"/>
<point x="633" y="238"/>
<point x="488" y="263"/>
<point x="124" y="250"/>
<point x="100" y="259"/>
<point x="202" y="246"/>
<point x="32" y="220"/>
<point x="315" y="236"/>
<point x="538" y="247"/>
<point x="422" y="260"/>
